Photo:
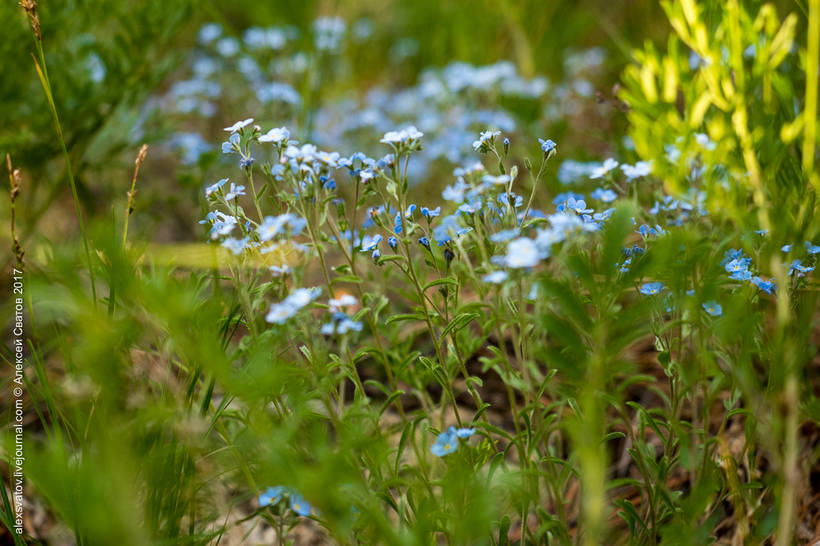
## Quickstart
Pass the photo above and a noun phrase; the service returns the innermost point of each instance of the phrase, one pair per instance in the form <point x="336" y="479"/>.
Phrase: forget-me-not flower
<point x="496" y="277"/>
<point x="280" y="312"/>
<point x="239" y="125"/>
<point x="604" y="168"/>
<point x="299" y="505"/>
<point x="277" y="135"/>
<point x="522" y="252"/>
<point x="607" y="196"/>
<point x="271" y="495"/>
<point x="447" y="441"/>
<point x="641" y="168"/>
<point x="713" y="308"/>
<point x="651" y="288"/>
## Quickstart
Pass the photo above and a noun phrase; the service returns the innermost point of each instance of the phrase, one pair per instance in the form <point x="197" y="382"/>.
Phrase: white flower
<point x="496" y="277"/>
<point x="522" y="252"/>
<point x="641" y="168"/>
<point x="239" y="125"/>
<point x="277" y="135"/>
<point x="602" y="171"/>
<point x="405" y="136"/>
<point x="345" y="300"/>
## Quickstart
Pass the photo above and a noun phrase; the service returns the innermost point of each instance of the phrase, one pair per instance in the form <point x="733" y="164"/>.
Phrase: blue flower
<point x="801" y="269"/>
<point x="496" y="277"/>
<point x="566" y="196"/>
<point x="282" y="311"/>
<point x="447" y="441"/>
<point x="742" y="275"/>
<point x="484" y="140"/>
<point x="504" y="236"/>
<point x="341" y="324"/>
<point x="430" y="213"/>
<point x="231" y="145"/>
<point x="713" y="308"/>
<point x="786" y="248"/>
<point x="272" y="226"/>
<point x="811" y="249"/>
<point x="764" y="285"/>
<point x="737" y="265"/>
<point x="522" y="252"/>
<point x="578" y="205"/>
<point x="651" y="288"/>
<point x="234" y="191"/>
<point x="455" y="192"/>
<point x="392" y="242"/>
<point x="271" y="495"/>
<point x="299" y="505"/>
<point x="547" y="146"/>
<point x="732" y="254"/>
<point x="216" y="186"/>
<point x="235" y="245"/>
<point x="425" y="242"/>
<point x="607" y="196"/>
<point x="370" y="242"/>
<point x="500" y="180"/>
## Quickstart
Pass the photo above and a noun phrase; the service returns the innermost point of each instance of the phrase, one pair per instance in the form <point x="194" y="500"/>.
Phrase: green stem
<point x="42" y="72"/>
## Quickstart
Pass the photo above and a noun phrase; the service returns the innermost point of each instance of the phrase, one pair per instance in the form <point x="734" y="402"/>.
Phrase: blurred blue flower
<point x="713" y="308"/>
<point x="496" y="277"/>
<point x="522" y="252"/>
<point x="504" y="236"/>
<point x="370" y="242"/>
<point x="604" y="168"/>
<point x="231" y="145"/>
<point x="271" y="495"/>
<point x="234" y="191"/>
<point x="235" y="245"/>
<point x="801" y="269"/>
<point x="216" y="186"/>
<point x="430" y="213"/>
<point x="299" y="505"/>
<point x="447" y="441"/>
<point x="547" y="146"/>
<point x="742" y="275"/>
<point x="282" y="311"/>
<point x="764" y="285"/>
<point x="737" y="265"/>
<point x="340" y="324"/>
<point x="641" y="168"/>
<point x="651" y="288"/>
<point x="607" y="196"/>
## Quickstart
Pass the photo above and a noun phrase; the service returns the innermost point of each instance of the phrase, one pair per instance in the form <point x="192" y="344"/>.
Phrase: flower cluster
<point x="447" y="441"/>
<point x="274" y="495"/>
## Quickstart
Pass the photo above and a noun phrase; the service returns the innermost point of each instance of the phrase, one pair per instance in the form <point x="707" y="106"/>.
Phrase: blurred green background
<point x="145" y="46"/>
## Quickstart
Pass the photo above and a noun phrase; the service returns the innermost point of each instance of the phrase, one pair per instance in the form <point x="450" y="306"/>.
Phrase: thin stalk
<point x="42" y="72"/>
